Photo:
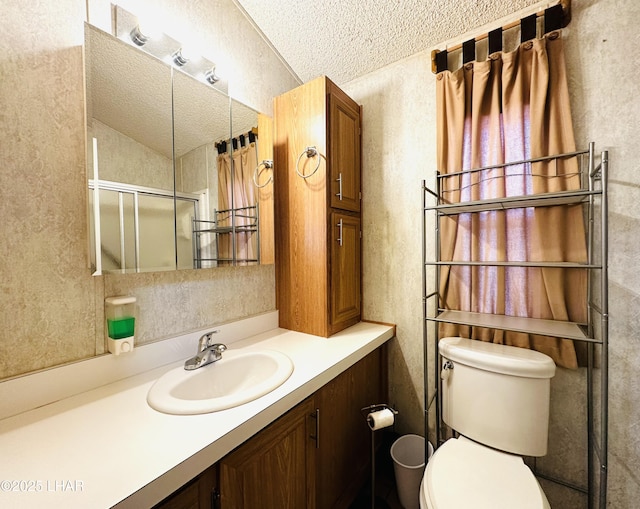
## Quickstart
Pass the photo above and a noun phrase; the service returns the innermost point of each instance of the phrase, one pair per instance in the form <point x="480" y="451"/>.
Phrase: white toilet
<point x="497" y="398"/>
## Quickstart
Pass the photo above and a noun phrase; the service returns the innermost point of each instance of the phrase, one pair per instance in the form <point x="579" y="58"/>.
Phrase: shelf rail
<point x="595" y="332"/>
<point x="227" y="222"/>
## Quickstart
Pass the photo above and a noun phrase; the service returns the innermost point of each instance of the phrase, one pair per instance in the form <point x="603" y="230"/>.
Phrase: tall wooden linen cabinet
<point x="317" y="170"/>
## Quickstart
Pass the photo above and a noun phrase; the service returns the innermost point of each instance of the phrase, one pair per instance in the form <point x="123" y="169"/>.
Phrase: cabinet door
<point x="344" y="150"/>
<point x="345" y="439"/>
<point x="345" y="271"/>
<point x="200" y="493"/>
<point x="276" y="468"/>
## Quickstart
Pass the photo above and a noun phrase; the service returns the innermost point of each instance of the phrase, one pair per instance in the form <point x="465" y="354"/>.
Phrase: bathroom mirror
<point x="201" y="119"/>
<point x="169" y="180"/>
<point x="130" y="162"/>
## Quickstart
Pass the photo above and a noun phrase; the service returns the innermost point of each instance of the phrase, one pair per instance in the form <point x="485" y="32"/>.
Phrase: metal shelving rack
<point x="593" y="192"/>
<point x="227" y="222"/>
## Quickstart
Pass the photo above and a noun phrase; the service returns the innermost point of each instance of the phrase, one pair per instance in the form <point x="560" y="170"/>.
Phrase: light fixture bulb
<point x="145" y="29"/>
<point x="138" y="37"/>
<point x="211" y="76"/>
<point x="179" y="57"/>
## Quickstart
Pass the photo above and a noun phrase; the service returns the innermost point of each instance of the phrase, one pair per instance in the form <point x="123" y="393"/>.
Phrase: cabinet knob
<point x="316" y="437"/>
<point x="215" y="498"/>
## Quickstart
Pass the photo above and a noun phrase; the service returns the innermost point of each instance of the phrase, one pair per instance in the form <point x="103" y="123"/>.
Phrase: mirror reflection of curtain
<point x="223" y="220"/>
<point x="245" y="161"/>
<point x="237" y="200"/>
<point x="511" y="107"/>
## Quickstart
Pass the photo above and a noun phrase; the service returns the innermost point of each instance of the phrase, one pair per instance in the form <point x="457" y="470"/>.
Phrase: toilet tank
<point x="497" y="395"/>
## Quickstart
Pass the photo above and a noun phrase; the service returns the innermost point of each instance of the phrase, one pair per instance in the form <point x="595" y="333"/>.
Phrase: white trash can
<point x="407" y="453"/>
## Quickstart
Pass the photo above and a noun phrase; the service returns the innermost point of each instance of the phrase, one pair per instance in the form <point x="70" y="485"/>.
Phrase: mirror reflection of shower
<point x="136" y="226"/>
<point x="155" y="161"/>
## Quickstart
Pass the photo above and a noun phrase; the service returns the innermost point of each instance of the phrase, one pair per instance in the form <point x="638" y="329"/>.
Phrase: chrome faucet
<point x="208" y="352"/>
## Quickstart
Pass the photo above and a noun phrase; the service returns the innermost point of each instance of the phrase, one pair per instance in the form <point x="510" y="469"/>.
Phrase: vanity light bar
<point x="138" y="38"/>
<point x="211" y="76"/>
<point x="146" y="35"/>
<point x="178" y="58"/>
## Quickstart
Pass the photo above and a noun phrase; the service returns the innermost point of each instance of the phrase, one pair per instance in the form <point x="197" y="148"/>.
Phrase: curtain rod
<point x="566" y="19"/>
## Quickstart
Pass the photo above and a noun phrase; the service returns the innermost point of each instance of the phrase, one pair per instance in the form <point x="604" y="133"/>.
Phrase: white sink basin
<point x="237" y="378"/>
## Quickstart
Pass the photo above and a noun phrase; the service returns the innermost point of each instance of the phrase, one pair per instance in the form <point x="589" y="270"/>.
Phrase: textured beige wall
<point x="51" y="308"/>
<point x="123" y="159"/>
<point x="600" y="45"/>
<point x="399" y="151"/>
<point x="47" y="298"/>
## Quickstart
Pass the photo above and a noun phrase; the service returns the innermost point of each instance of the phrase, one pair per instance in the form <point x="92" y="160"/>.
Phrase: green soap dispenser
<point x="121" y="321"/>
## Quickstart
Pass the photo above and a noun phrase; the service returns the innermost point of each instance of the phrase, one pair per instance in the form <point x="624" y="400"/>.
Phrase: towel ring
<point x="310" y="152"/>
<point x="267" y="164"/>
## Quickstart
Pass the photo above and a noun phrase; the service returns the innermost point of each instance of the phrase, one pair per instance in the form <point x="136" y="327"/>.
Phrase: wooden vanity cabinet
<point x="276" y="468"/>
<point x="344" y="453"/>
<point x="317" y="455"/>
<point x="318" y="233"/>
<point x="199" y="493"/>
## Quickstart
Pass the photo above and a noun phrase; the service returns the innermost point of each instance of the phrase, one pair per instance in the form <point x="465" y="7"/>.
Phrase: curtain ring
<point x="310" y="152"/>
<point x="553" y="35"/>
<point x="528" y="45"/>
<point x="267" y="164"/>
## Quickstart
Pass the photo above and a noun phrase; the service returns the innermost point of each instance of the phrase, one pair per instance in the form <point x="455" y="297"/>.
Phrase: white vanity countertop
<point x="107" y="447"/>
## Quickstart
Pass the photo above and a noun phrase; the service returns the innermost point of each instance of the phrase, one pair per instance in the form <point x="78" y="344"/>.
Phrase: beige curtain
<point x="512" y="107"/>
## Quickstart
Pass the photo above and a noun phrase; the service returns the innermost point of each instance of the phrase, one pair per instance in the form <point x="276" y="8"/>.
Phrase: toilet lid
<point x="463" y="474"/>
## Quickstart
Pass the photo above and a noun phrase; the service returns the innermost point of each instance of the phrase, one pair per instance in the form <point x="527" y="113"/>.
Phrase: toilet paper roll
<point x="380" y="419"/>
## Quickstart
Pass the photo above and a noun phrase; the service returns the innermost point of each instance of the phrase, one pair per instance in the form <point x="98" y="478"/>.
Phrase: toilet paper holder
<point x="371" y="409"/>
<point x="370" y="413"/>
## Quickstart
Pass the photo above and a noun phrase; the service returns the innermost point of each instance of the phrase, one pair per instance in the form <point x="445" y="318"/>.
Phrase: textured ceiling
<point x="345" y="39"/>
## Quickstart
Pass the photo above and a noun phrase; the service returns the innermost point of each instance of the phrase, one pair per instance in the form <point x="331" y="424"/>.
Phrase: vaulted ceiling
<point x="345" y="39"/>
